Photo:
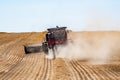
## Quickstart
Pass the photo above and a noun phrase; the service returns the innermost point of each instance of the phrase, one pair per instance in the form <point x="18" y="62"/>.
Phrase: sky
<point x="77" y="15"/>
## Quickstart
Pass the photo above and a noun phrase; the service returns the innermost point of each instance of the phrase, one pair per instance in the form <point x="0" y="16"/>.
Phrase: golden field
<point x="16" y="65"/>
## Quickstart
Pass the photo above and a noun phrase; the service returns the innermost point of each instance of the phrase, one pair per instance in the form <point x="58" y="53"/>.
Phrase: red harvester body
<point x="54" y="36"/>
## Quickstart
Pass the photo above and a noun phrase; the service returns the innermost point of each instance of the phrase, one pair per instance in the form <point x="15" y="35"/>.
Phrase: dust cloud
<point x="50" y="54"/>
<point x="94" y="47"/>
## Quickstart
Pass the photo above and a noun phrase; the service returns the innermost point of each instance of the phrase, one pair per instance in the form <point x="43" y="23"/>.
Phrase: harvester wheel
<point x="54" y="56"/>
<point x="51" y="54"/>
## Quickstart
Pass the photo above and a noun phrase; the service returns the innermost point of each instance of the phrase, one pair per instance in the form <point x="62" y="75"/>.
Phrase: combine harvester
<point x="53" y="38"/>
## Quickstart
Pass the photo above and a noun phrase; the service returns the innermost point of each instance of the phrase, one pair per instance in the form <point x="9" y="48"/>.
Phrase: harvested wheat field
<point x="89" y="56"/>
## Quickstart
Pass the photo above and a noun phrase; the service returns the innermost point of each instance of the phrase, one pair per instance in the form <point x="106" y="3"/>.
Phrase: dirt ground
<point x="16" y="65"/>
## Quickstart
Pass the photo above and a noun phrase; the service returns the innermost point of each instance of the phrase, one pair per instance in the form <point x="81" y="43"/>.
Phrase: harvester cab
<point x="56" y="36"/>
<point x="53" y="38"/>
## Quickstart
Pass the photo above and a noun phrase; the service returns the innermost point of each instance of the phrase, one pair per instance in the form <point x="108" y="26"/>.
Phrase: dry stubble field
<point x="16" y="65"/>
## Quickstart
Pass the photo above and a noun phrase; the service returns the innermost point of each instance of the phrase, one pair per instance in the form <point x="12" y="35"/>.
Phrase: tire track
<point x="30" y="73"/>
<point x="40" y="70"/>
<point x="79" y="71"/>
<point x="35" y="68"/>
<point x="73" y="71"/>
<point x="49" y="73"/>
<point x="89" y="71"/>
<point x="44" y="70"/>
<point x="94" y="72"/>
<point x="110" y="73"/>
<point x="60" y="70"/>
<point x="13" y="63"/>
<point x="25" y="69"/>
<point x="16" y="49"/>
<point x="30" y="68"/>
